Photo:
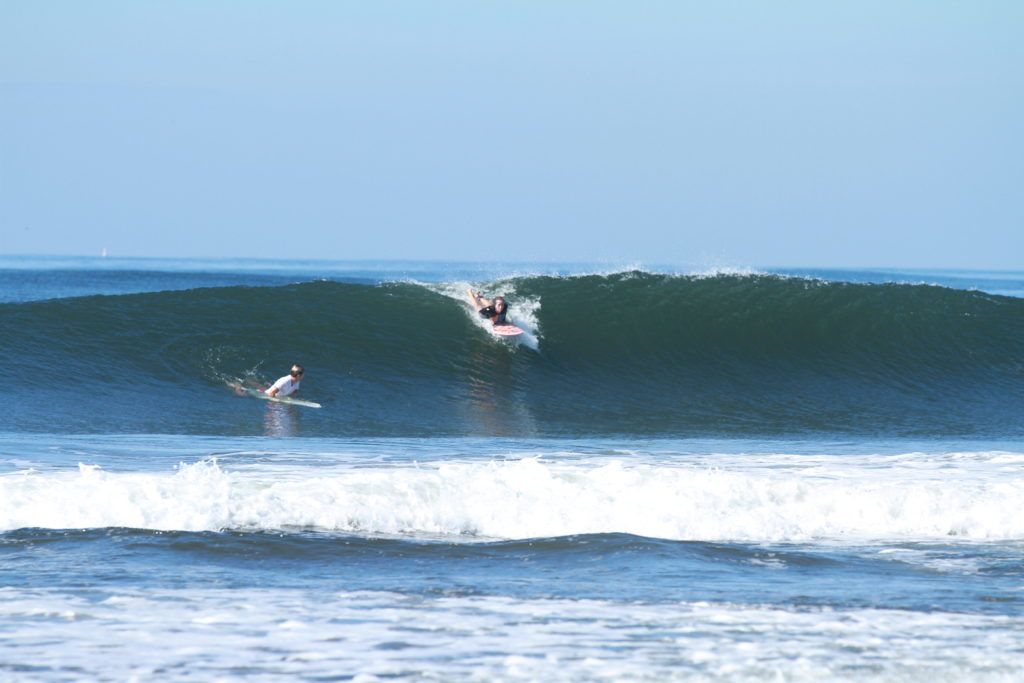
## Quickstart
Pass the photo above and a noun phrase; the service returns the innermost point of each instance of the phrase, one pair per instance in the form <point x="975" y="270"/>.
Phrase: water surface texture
<point x="672" y="475"/>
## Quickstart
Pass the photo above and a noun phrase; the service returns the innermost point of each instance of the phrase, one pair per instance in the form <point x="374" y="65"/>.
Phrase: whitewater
<point x="715" y="497"/>
<point x="739" y="475"/>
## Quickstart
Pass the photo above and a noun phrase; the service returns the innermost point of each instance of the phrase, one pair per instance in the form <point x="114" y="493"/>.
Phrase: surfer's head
<point x="298" y="371"/>
<point x="499" y="303"/>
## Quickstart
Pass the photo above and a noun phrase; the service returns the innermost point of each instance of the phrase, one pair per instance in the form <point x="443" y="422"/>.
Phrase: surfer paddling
<point x="287" y="385"/>
<point x="496" y="311"/>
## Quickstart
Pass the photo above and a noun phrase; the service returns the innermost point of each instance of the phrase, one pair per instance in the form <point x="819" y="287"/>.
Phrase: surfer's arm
<point x="478" y="301"/>
<point x="274" y="388"/>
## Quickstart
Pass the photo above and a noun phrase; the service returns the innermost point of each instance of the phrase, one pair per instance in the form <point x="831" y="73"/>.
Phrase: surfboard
<point x="282" y="399"/>
<point x="506" y="330"/>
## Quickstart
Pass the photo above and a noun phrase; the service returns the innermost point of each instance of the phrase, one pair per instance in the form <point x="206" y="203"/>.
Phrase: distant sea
<point x="744" y="475"/>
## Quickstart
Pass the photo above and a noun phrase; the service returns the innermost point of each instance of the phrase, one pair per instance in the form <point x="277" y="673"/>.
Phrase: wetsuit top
<point x="496" y="318"/>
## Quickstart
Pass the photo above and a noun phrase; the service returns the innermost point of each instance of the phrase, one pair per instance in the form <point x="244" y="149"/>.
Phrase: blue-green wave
<point x="628" y="353"/>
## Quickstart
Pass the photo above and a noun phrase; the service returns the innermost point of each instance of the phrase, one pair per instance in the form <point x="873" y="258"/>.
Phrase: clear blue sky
<point x="861" y="133"/>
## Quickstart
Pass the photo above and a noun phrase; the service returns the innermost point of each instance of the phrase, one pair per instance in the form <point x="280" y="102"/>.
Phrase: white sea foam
<point x="205" y="633"/>
<point x="721" y="271"/>
<point x="535" y="497"/>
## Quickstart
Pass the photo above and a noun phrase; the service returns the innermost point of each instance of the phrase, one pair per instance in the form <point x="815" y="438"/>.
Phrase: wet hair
<point x="500" y="299"/>
<point x="297" y="370"/>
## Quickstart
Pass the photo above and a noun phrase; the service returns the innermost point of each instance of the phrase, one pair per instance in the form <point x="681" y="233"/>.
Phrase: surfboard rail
<point x="256" y="393"/>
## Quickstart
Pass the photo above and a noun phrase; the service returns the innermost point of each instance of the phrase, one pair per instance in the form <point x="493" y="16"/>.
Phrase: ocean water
<point x="672" y="475"/>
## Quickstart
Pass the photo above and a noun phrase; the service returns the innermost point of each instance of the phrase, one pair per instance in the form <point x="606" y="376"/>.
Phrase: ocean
<point x="741" y="475"/>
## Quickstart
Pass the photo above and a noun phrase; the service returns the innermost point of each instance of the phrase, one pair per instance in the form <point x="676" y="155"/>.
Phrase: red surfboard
<point x="506" y="330"/>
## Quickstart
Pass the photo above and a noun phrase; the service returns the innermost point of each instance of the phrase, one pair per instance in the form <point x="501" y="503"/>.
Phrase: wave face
<point x="628" y="353"/>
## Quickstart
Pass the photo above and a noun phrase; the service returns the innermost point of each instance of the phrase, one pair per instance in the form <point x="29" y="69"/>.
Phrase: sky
<point x="724" y="134"/>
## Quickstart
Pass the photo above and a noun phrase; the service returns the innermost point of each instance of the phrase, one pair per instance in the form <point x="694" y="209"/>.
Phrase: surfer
<point x="495" y="311"/>
<point x="287" y="385"/>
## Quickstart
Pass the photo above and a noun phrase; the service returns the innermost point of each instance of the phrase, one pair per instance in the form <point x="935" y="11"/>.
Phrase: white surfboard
<point x="282" y="399"/>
